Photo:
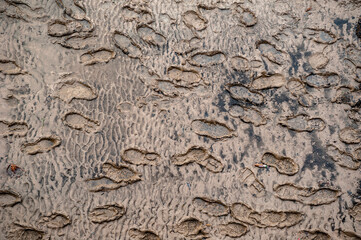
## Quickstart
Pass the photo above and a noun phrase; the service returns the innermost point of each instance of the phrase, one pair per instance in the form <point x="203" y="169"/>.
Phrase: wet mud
<point x="175" y="119"/>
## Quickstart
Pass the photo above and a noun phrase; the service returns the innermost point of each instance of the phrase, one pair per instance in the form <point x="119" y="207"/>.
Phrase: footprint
<point x="308" y="196"/>
<point x="106" y="213"/>
<point x="9" y="67"/>
<point x="346" y="95"/>
<point x="194" y="20"/>
<point x="191" y="227"/>
<point x="74" y="89"/>
<point x="313" y="235"/>
<point x="268" y="81"/>
<point x="56" y="220"/>
<point x="201" y="156"/>
<point x="233" y="229"/>
<point x="138" y="234"/>
<point x="42" y="145"/>
<point x="9" y="198"/>
<point x="248" y="178"/>
<point x="120" y="173"/>
<point x="296" y="87"/>
<point x="355" y="212"/>
<point x="302" y="123"/>
<point x="141" y="15"/>
<point x="212" y="129"/>
<point x="355" y="114"/>
<point x="342" y="158"/>
<point x="350" y="135"/>
<point x="13" y="128"/>
<point x="127" y="45"/>
<point x="25" y="232"/>
<point x="150" y="36"/>
<point x="269" y="51"/>
<point x="318" y="61"/>
<point x="184" y="77"/>
<point x="307" y="100"/>
<point x="167" y="88"/>
<point x="270" y="218"/>
<point x="347" y="235"/>
<point x="240" y="92"/>
<point x="283" y="165"/>
<point x="59" y="28"/>
<point x="203" y="59"/>
<point x="101" y="55"/>
<point x="102" y="184"/>
<point x="80" y="122"/>
<point x="246" y="17"/>
<point x="322" y="80"/>
<point x="140" y="157"/>
<point x="242" y="212"/>
<point x="357" y="154"/>
<point x="320" y="35"/>
<point x="210" y="206"/>
<point x="248" y="115"/>
<point x="79" y="42"/>
<point x="240" y="63"/>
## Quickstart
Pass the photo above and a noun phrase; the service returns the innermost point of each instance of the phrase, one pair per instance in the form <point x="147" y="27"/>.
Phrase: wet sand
<point x="145" y="119"/>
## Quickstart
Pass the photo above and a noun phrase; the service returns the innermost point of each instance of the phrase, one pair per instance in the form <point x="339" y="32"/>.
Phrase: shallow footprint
<point x="270" y="52"/>
<point x="101" y="55"/>
<point x="103" y="183"/>
<point x="193" y="154"/>
<point x="280" y="219"/>
<point x="59" y="28"/>
<point x="210" y="206"/>
<point x="9" y="67"/>
<point x="355" y="212"/>
<point x="203" y="59"/>
<point x="248" y="178"/>
<point x="74" y="89"/>
<point x="248" y="115"/>
<point x="240" y="92"/>
<point x="318" y="60"/>
<point x="233" y="229"/>
<point x="149" y="35"/>
<point x="309" y="196"/>
<point x="346" y="95"/>
<point x="42" y="145"/>
<point x="191" y="227"/>
<point x="247" y="17"/>
<point x="194" y="20"/>
<point x="283" y="165"/>
<point x="79" y="42"/>
<point x="342" y="158"/>
<point x="56" y="220"/>
<point x="313" y="235"/>
<point x="184" y="77"/>
<point x="80" y="122"/>
<point x="120" y="173"/>
<point x="140" y="157"/>
<point x="242" y="212"/>
<point x="212" y="164"/>
<point x="9" y="198"/>
<point x="240" y="63"/>
<point x="106" y="213"/>
<point x="269" y="81"/>
<point x="350" y="135"/>
<point x="212" y="129"/>
<point x="321" y="35"/>
<point x="302" y="123"/>
<point x="127" y="45"/>
<point x="138" y="234"/>
<point x="25" y="232"/>
<point x="322" y="80"/>
<point x="13" y="128"/>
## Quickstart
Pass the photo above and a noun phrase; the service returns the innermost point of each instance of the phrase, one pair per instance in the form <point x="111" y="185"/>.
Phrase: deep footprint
<point x="80" y="122"/>
<point x="203" y="59"/>
<point x="106" y="213"/>
<point x="13" y="128"/>
<point x="210" y="206"/>
<point x="9" y="198"/>
<point x="302" y="123"/>
<point x="211" y="129"/>
<point x="42" y="145"/>
<point x="74" y="89"/>
<point x="191" y="227"/>
<point x="350" y="135"/>
<point x="150" y="36"/>
<point x="241" y="92"/>
<point x="138" y="234"/>
<point x="283" y="165"/>
<point x="269" y="81"/>
<point x="140" y="157"/>
<point x="194" y="20"/>
<point x="9" y="67"/>
<point x="270" y="52"/>
<point x="308" y="196"/>
<point x="342" y="158"/>
<point x="101" y="55"/>
<point x="322" y="80"/>
<point x="56" y="220"/>
<point x="270" y="218"/>
<point x="233" y="229"/>
<point x="248" y="115"/>
<point x="184" y="77"/>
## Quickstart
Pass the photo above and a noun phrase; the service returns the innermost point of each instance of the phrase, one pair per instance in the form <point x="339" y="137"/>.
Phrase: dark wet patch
<point x="358" y="28"/>
<point x="340" y="22"/>
<point x="318" y="158"/>
<point x="295" y="57"/>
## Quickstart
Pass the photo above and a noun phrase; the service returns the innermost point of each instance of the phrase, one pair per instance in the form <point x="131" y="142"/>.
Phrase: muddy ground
<point x="145" y="119"/>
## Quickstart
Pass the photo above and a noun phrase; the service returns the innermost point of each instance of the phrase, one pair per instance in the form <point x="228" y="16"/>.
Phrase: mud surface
<point x="142" y="119"/>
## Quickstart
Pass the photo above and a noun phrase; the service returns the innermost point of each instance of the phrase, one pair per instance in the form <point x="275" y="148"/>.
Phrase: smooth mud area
<point x="180" y="119"/>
